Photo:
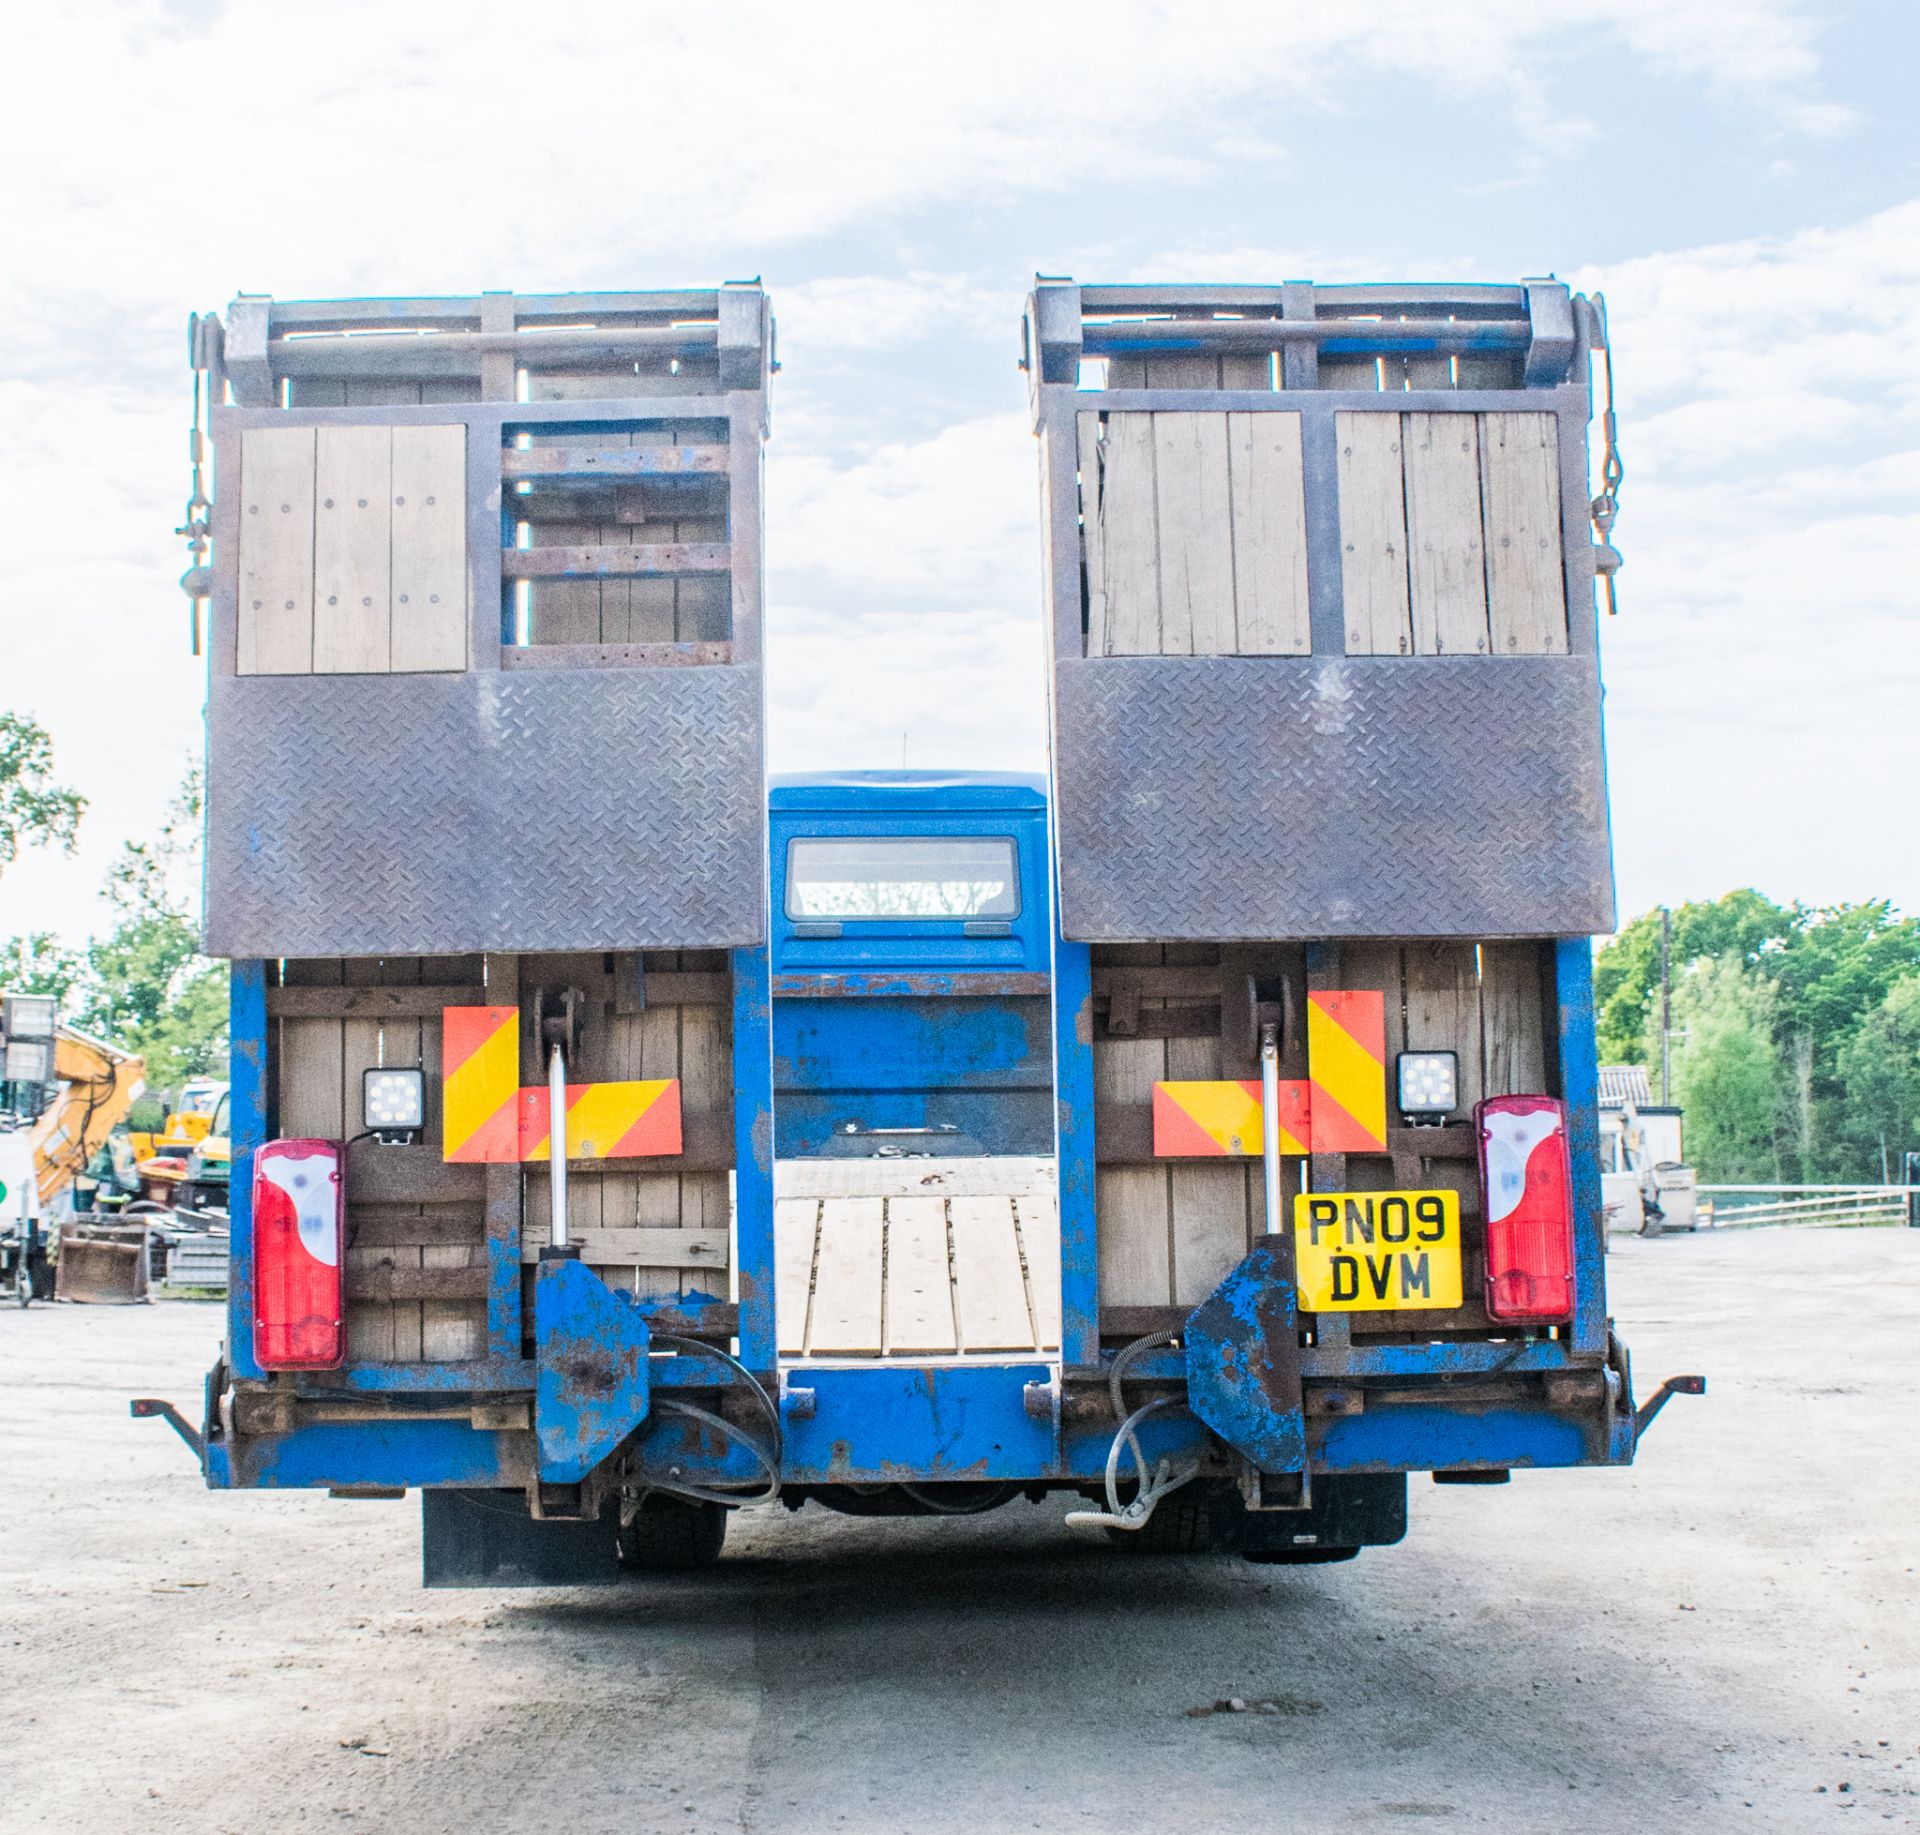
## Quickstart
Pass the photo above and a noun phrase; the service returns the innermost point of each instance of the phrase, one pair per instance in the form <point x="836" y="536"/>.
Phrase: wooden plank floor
<point x="916" y="1258"/>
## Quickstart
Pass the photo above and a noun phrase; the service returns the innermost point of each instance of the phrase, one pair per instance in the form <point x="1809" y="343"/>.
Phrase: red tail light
<point x="299" y="1232"/>
<point x="1527" y="1187"/>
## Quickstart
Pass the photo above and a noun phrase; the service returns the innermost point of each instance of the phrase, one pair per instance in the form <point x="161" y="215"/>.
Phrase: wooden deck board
<point x="990" y="1294"/>
<point x="917" y="1258"/>
<point x="847" y="1287"/>
<point x="919" y="1278"/>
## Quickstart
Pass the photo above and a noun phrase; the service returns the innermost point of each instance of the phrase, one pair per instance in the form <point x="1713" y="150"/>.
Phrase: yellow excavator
<point x="92" y="1088"/>
<point x="96" y="1085"/>
<point x="186" y="1163"/>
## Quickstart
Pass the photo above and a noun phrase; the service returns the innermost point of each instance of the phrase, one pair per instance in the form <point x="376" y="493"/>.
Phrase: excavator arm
<point x="97" y="1084"/>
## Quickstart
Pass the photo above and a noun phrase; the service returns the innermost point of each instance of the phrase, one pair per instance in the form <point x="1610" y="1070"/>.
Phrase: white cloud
<point x="1762" y="676"/>
<point x="944" y="522"/>
<point x="166" y="155"/>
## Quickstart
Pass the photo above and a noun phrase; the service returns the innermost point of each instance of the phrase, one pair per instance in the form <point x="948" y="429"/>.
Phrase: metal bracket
<point x="1243" y="1360"/>
<point x="561" y="1014"/>
<point x="1674" y="1385"/>
<point x="249" y="368"/>
<point x="1056" y="330"/>
<point x="1273" y="1492"/>
<point x="1550" y="312"/>
<point x="591" y="1383"/>
<point x="797" y="1403"/>
<point x="147" y="1408"/>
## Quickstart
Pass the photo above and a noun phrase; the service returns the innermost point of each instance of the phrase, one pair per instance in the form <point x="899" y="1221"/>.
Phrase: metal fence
<point x="1833" y="1205"/>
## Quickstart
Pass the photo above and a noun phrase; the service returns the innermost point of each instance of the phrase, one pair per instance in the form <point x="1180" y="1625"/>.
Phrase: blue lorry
<point x="1204" y="1133"/>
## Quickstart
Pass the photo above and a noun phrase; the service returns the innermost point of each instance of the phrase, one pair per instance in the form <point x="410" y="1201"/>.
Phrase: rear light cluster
<point x="299" y="1243"/>
<point x="1527" y="1183"/>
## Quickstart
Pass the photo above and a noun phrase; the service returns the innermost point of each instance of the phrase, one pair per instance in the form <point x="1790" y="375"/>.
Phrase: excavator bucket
<point x="103" y="1264"/>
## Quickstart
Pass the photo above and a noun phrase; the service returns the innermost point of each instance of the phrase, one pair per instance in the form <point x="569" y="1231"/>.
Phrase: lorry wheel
<point x="1184" y="1524"/>
<point x="672" y="1535"/>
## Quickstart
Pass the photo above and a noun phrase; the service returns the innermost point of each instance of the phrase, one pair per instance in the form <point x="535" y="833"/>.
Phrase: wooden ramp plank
<point x="1520" y="497"/>
<point x="1038" y="1221"/>
<point x="847" y="1295"/>
<point x="989" y="1293"/>
<point x="919" y="1313"/>
<point x="1373" y="534"/>
<point x="1446" y="546"/>
<point x="1193" y="493"/>
<point x="796" y="1230"/>
<point x="1269" y="534"/>
<point x="353" y="551"/>
<point x="275" y="622"/>
<point x="1092" y="544"/>
<point x="1129" y="548"/>
<point x="430" y="624"/>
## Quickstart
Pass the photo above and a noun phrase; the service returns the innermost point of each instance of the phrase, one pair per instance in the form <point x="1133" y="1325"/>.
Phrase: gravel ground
<point x="1727" y="1637"/>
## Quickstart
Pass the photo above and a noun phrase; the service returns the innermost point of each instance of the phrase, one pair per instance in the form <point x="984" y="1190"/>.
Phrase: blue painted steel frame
<point x="895" y="1422"/>
<point x="1580" y="1091"/>
<point x="753" y="1157"/>
<point x="247" y="1125"/>
<point x="1073" y="1106"/>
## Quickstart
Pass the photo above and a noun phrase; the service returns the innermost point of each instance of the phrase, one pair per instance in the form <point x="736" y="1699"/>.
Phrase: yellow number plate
<point x="1377" y="1251"/>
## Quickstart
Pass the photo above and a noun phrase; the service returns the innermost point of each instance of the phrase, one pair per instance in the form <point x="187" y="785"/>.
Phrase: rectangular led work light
<point x="1429" y="1085"/>
<point x="393" y="1104"/>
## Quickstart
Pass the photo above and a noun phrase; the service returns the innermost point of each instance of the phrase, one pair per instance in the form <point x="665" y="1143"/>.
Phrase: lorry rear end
<point x="1217" y="1148"/>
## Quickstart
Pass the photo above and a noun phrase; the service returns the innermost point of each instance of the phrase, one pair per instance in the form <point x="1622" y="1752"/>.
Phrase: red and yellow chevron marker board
<point x="480" y="1072"/>
<point x="491" y="1120"/>
<point x="1223" y="1120"/>
<point x="606" y="1121"/>
<point x="1347" y="1067"/>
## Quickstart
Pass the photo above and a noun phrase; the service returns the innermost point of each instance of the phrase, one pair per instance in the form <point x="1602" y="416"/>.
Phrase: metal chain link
<point x="198" y="526"/>
<point x="1606" y="506"/>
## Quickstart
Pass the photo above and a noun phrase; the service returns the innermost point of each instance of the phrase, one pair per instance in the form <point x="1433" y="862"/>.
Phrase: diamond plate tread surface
<point x="1228" y="798"/>
<point x="442" y="814"/>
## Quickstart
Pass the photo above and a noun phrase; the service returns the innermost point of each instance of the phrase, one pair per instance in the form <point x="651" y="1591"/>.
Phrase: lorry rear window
<point x="902" y="876"/>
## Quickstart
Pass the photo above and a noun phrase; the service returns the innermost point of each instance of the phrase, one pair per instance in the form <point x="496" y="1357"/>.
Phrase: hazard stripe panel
<point x="1347" y="1067"/>
<point x="606" y="1121"/>
<point x="1223" y="1120"/>
<point x="480" y="1065"/>
<point x="491" y="1120"/>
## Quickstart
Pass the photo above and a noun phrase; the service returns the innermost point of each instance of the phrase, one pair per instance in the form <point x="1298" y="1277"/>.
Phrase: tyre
<point x="672" y="1535"/>
<point x="1188" y="1522"/>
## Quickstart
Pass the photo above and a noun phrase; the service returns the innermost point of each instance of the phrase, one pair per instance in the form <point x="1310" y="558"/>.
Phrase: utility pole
<point x="1666" y="1007"/>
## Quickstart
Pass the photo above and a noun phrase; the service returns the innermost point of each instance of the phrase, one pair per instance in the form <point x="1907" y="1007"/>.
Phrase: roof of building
<point x="1624" y="1083"/>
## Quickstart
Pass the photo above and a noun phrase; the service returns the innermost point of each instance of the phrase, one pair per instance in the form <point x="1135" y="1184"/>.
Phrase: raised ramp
<point x="917" y="1258"/>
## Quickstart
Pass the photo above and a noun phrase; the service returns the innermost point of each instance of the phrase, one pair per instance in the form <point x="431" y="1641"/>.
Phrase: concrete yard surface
<point x="1725" y="1638"/>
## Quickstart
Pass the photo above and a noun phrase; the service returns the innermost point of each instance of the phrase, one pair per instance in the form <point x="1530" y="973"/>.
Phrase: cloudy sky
<point x="1741" y="178"/>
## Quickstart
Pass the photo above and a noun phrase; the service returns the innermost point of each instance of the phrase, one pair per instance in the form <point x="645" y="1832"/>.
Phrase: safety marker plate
<point x="1347" y="1066"/>
<point x="491" y="1120"/>
<point x="1223" y="1120"/>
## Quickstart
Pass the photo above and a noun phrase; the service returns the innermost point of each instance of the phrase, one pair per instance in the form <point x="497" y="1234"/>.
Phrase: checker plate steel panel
<point x="1225" y="798"/>
<point x="441" y="814"/>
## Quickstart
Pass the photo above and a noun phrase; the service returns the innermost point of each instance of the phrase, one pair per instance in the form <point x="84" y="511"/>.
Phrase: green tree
<point x="147" y="986"/>
<point x="1879" y="1073"/>
<point x="1626" y="971"/>
<point x="34" y="810"/>
<point x="1830" y="966"/>
<point x="39" y="963"/>
<point x="1727" y="1069"/>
